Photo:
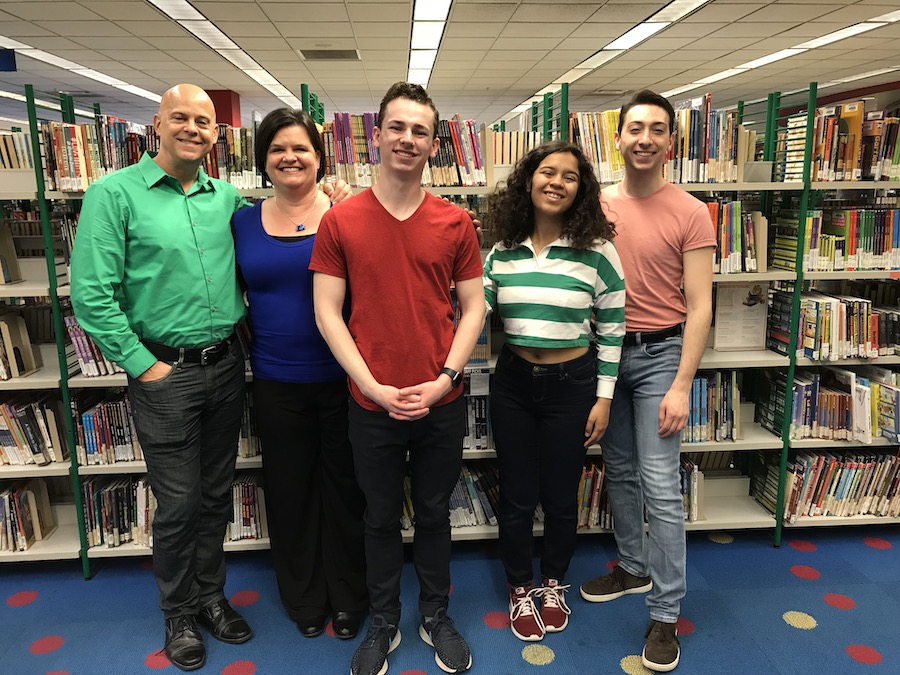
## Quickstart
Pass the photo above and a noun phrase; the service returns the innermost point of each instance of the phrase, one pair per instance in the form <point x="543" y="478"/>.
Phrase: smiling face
<point x="405" y="136"/>
<point x="554" y="185"/>
<point x="292" y="162"/>
<point x="186" y="124"/>
<point x="645" y="139"/>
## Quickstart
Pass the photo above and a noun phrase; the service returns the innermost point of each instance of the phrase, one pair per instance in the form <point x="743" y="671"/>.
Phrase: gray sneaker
<point x="662" y="651"/>
<point x="614" y="585"/>
<point x="451" y="652"/>
<point x="371" y="655"/>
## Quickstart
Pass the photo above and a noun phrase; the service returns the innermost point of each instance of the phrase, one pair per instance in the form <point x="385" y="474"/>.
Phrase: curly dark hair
<point x="512" y="213"/>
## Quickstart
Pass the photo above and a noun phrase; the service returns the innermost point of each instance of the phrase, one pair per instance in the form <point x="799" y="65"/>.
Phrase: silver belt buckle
<point x="208" y="352"/>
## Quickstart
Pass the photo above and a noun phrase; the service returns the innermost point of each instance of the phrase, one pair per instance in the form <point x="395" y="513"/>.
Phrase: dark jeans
<point x="380" y="446"/>
<point x="538" y="415"/>
<point x="188" y="425"/>
<point x="314" y="506"/>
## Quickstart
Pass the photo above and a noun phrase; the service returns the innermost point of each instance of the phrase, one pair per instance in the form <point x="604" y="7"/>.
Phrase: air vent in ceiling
<point x="329" y="54"/>
<point x="610" y="92"/>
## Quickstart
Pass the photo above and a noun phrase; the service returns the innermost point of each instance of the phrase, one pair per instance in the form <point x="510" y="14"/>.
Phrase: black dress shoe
<point x="311" y="626"/>
<point x="224" y="622"/>
<point x="184" y="646"/>
<point x="346" y="624"/>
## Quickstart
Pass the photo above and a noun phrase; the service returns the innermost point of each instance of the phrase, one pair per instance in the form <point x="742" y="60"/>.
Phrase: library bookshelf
<point x="727" y="504"/>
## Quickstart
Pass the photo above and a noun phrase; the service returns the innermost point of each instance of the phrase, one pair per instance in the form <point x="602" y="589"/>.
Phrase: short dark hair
<point x="277" y="120"/>
<point x="512" y="211"/>
<point x="647" y="97"/>
<point x="414" y="92"/>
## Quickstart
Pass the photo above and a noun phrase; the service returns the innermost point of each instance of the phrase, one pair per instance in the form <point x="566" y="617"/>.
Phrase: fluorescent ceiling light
<point x="418" y="76"/>
<point x="263" y="77"/>
<point x="291" y="101"/>
<point x="677" y="10"/>
<point x="431" y="10"/>
<point x="178" y="9"/>
<point x="680" y="90"/>
<point x="9" y="43"/>
<point x="99" y="77"/>
<point x="599" y="58"/>
<point x="422" y="58"/>
<point x="209" y="34"/>
<point x="48" y="58"/>
<point x="14" y="121"/>
<point x="842" y="34"/>
<point x="131" y="89"/>
<point x="239" y="58"/>
<point x="890" y="17"/>
<point x="637" y="35"/>
<point x="871" y="73"/>
<point x="573" y="75"/>
<point x="731" y="72"/>
<point x="522" y="107"/>
<point x="427" y="34"/>
<point x="278" y="89"/>
<point x="771" y="58"/>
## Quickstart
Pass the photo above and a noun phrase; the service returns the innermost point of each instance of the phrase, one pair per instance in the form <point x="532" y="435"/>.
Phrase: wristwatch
<point x="454" y="375"/>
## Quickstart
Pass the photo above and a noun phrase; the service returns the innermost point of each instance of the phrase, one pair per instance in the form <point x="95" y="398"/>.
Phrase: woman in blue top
<point x="314" y="506"/>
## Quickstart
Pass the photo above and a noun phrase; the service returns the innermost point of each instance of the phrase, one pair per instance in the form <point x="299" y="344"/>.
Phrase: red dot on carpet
<point x="805" y="572"/>
<point x="58" y="672"/>
<point x="239" y="668"/>
<point x="22" y="598"/>
<point x="244" y="598"/>
<point x="875" y="542"/>
<point x="329" y="630"/>
<point x="863" y="654"/>
<point x="157" y="660"/>
<point x="839" y="601"/>
<point x="46" y="644"/>
<point x="611" y="564"/>
<point x="147" y="564"/>
<point x="496" y="619"/>
<point x="451" y="589"/>
<point x="801" y="545"/>
<point x="684" y="626"/>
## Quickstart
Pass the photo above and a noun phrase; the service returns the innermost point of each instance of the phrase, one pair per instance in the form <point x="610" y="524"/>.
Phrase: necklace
<point x="298" y="227"/>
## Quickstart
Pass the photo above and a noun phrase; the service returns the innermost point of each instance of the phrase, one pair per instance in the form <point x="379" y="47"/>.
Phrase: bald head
<point x="186" y="124"/>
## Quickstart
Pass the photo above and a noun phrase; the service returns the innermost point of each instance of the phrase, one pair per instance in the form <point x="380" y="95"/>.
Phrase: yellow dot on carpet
<point x="800" y="620"/>
<point x="720" y="538"/>
<point x="634" y="666"/>
<point x="538" y="655"/>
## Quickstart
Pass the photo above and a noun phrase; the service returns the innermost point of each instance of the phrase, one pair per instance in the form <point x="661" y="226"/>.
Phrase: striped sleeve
<point x="609" y="317"/>
<point x="487" y="278"/>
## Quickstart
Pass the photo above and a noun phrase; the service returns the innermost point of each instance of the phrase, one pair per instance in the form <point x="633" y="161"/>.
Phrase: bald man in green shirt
<point x="154" y="284"/>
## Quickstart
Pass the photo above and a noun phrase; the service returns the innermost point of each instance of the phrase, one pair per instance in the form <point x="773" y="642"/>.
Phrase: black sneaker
<point x="614" y="585"/>
<point x="661" y="651"/>
<point x="370" y="657"/>
<point x="451" y="652"/>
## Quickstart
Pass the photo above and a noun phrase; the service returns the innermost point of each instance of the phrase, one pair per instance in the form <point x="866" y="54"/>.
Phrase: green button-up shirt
<point x="151" y="262"/>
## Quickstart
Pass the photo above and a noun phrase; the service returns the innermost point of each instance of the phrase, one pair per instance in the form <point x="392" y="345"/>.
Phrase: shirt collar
<point x="153" y="173"/>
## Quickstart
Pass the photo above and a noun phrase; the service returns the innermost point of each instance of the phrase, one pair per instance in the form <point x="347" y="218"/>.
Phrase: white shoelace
<point x="525" y="606"/>
<point x="553" y="596"/>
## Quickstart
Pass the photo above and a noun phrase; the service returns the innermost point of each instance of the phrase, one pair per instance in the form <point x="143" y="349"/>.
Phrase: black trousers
<point x="380" y="447"/>
<point x="313" y="503"/>
<point x="538" y="415"/>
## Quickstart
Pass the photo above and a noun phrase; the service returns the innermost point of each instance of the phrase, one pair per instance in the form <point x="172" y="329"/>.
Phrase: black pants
<point x="380" y="446"/>
<point x="314" y="505"/>
<point x="538" y="415"/>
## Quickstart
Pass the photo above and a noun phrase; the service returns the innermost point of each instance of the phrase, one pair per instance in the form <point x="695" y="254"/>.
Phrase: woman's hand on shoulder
<point x="475" y="221"/>
<point x="337" y="191"/>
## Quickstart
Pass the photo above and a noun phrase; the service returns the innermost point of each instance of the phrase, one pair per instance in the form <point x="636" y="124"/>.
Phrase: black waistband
<point x="646" y="337"/>
<point x="510" y="358"/>
<point x="205" y="356"/>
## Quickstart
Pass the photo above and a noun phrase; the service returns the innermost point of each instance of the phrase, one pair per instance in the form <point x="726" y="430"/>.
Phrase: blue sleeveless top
<point x="286" y="345"/>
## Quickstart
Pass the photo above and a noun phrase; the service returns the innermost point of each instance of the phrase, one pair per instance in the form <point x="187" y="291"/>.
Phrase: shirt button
<point x="201" y="251"/>
<point x="209" y="279"/>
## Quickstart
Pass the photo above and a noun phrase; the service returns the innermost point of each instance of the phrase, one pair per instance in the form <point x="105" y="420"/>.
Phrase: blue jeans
<point x="380" y="447"/>
<point x="188" y="425"/>
<point x="538" y="414"/>
<point x="642" y="473"/>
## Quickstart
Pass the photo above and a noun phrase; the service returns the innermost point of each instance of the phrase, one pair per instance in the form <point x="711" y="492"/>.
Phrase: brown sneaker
<point x="661" y="651"/>
<point x="614" y="585"/>
<point x="554" y="610"/>
<point x="524" y="618"/>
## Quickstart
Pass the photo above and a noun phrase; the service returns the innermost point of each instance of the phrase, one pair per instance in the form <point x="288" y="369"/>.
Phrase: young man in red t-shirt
<point x="394" y="251"/>
<point x="665" y="240"/>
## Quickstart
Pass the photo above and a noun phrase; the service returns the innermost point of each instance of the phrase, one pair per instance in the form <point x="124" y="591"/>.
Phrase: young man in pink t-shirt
<point x="665" y="240"/>
<point x="395" y="250"/>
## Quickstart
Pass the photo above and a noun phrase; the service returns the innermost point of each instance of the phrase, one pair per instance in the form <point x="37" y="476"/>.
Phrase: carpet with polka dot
<point x="827" y="601"/>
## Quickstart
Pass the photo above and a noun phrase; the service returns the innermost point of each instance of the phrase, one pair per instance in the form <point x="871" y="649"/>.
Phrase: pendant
<point x="301" y="227"/>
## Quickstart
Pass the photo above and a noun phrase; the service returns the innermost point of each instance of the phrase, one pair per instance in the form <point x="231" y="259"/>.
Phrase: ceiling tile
<point x="319" y="12"/>
<point x="62" y="11"/>
<point x="380" y="11"/>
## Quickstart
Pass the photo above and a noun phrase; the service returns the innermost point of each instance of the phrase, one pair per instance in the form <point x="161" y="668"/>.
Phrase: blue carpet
<point x="826" y="602"/>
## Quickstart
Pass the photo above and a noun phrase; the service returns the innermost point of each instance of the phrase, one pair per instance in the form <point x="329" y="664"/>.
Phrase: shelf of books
<point x="59" y="539"/>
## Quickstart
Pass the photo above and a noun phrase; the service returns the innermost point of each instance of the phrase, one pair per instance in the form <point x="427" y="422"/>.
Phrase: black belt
<point x="205" y="356"/>
<point x="646" y="337"/>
